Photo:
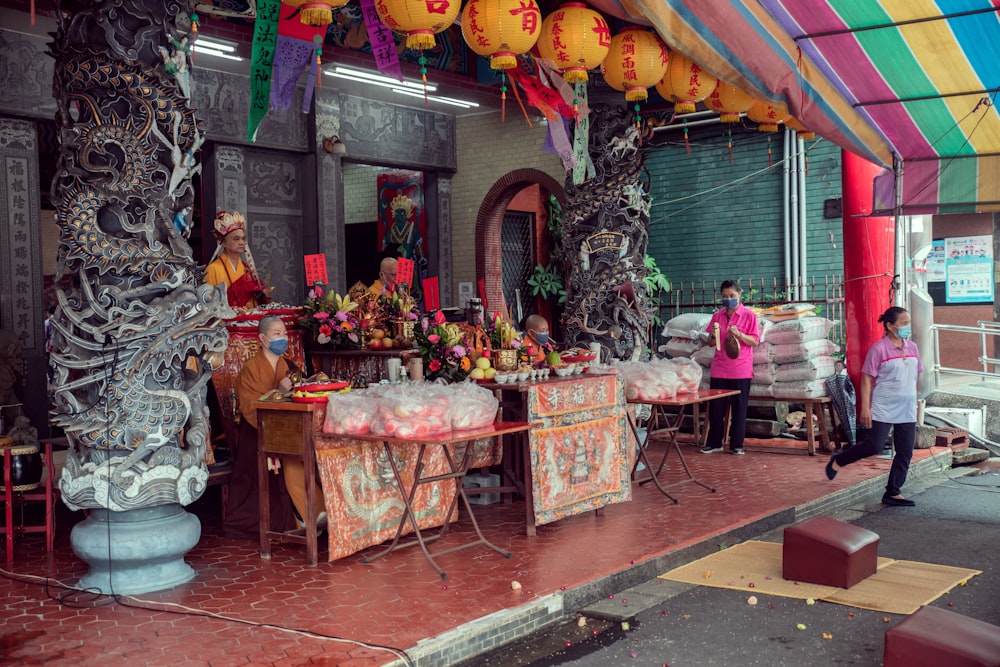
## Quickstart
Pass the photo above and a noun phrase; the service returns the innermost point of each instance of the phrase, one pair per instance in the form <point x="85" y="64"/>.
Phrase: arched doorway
<point x="489" y="228"/>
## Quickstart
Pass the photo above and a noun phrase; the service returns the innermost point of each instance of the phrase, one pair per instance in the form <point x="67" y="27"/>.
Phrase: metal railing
<point x="983" y="329"/>
<point x="827" y="292"/>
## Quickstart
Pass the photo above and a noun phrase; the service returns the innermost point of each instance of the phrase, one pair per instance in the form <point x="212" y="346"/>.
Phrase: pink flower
<point x="459" y="351"/>
<point x="319" y="291"/>
<point x="433" y="338"/>
<point x="425" y="325"/>
<point x="322" y="315"/>
<point x="439" y="317"/>
<point x="342" y="316"/>
<point x="312" y="294"/>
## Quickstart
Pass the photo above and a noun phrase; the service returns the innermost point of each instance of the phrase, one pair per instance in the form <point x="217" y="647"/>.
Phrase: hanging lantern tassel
<point x="316" y="14"/>
<point x="503" y="95"/>
<point x="769" y="163"/>
<point x="423" y="72"/>
<point x="730" y="145"/>
<point x="194" y="33"/>
<point x="687" y="144"/>
<point x="318" y="41"/>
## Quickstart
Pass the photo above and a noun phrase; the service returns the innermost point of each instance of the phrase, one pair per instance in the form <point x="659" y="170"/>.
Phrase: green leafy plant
<point x="546" y="282"/>
<point x="656" y="284"/>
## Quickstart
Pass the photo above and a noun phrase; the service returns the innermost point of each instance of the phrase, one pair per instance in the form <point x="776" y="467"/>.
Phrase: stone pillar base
<point x="136" y="551"/>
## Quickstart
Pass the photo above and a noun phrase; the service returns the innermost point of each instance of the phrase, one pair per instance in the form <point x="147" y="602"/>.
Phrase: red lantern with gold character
<point x="419" y="20"/>
<point x="767" y="116"/>
<point x="636" y="60"/>
<point x="576" y="39"/>
<point x="729" y="101"/>
<point x="501" y="29"/>
<point x="685" y="83"/>
<point x="316" y="14"/>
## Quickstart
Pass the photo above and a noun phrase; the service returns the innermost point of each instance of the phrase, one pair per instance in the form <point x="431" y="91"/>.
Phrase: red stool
<point x="11" y="495"/>
<point x="933" y="637"/>
<point x="825" y="551"/>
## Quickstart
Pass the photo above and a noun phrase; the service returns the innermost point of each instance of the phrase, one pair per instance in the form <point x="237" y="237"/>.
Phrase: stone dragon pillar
<point x="136" y="330"/>
<point x="605" y="234"/>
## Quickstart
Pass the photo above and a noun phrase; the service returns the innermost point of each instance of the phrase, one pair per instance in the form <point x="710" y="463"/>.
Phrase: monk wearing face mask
<point x="536" y="338"/>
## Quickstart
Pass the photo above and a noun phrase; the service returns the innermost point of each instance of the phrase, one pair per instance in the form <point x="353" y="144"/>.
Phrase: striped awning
<point x="908" y="84"/>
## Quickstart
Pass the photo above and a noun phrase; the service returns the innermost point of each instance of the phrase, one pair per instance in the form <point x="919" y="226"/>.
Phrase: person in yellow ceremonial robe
<point x="233" y="265"/>
<point x="268" y="369"/>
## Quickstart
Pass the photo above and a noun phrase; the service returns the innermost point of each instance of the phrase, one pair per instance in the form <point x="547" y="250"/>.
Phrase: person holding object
<point x="233" y="265"/>
<point x="732" y="367"/>
<point x="268" y="369"/>
<point x="888" y="400"/>
<point x="536" y="343"/>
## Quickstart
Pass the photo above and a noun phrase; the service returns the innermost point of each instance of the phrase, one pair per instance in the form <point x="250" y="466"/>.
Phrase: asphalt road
<point x="956" y="522"/>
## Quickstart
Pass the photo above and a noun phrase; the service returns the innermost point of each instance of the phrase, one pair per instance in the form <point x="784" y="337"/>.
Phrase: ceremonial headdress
<point x="230" y="221"/>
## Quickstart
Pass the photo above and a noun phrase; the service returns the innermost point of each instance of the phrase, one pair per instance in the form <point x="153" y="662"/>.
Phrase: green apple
<point x="482" y="363"/>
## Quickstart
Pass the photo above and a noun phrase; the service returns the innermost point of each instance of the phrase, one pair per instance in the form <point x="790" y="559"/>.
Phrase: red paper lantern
<point x="685" y="83"/>
<point x="501" y="29"/>
<point x="316" y="14"/>
<point x="636" y="60"/>
<point x="793" y="124"/>
<point x="576" y="39"/>
<point x="419" y="20"/>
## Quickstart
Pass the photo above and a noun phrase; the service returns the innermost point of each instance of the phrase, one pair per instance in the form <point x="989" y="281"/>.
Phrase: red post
<point x="869" y="261"/>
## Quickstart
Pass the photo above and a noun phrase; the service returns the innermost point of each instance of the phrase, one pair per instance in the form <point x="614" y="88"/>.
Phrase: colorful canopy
<point x="909" y="84"/>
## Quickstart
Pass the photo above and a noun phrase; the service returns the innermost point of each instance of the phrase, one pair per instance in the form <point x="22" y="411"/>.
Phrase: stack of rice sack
<point x="794" y="357"/>
<point x="684" y="335"/>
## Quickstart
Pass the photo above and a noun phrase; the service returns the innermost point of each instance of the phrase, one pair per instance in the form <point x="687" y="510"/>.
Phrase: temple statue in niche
<point x="136" y="336"/>
<point x="605" y="234"/>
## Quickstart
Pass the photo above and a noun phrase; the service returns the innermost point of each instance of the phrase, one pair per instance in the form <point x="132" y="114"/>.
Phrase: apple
<point x="388" y="343"/>
<point x="375" y="344"/>
<point x="477" y="374"/>
<point x="488" y="373"/>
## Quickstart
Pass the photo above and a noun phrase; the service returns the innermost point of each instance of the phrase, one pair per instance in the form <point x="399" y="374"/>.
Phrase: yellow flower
<point x="465" y="363"/>
<point x="344" y="303"/>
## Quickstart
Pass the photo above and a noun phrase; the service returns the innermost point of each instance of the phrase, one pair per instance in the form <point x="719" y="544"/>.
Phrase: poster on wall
<point x="968" y="269"/>
<point x="402" y="220"/>
<point x="935" y="262"/>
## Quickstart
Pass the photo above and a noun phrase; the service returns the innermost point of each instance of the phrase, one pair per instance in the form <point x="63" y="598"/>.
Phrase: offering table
<point x="348" y="364"/>
<point x="577" y="458"/>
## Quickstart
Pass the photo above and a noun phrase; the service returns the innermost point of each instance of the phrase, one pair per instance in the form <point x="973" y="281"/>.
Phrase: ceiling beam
<point x="921" y="98"/>
<point x="883" y="26"/>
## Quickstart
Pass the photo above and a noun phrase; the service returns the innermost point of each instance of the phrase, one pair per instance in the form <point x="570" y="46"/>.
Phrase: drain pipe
<point x="786" y="222"/>
<point x="792" y="212"/>
<point x="800" y="167"/>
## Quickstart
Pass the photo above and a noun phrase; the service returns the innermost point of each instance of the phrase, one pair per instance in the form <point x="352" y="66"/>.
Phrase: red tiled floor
<point x="395" y="601"/>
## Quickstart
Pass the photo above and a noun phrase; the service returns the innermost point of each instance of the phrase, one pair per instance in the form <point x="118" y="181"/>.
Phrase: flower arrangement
<point x="400" y="306"/>
<point x="442" y="349"/>
<point x="502" y="334"/>
<point x="332" y="318"/>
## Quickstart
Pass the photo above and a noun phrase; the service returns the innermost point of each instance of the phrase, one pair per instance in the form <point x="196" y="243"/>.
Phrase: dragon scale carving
<point x="136" y="330"/>
<point x="605" y="234"/>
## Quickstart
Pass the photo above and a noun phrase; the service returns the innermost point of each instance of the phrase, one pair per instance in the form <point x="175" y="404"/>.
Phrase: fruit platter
<point x="576" y="355"/>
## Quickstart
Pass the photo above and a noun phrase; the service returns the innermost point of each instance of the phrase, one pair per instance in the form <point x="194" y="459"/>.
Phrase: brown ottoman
<point x="934" y="637"/>
<point x="829" y="552"/>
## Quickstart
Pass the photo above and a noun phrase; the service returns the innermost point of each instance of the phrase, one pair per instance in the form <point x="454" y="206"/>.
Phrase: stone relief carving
<point x="25" y="75"/>
<point x="230" y="159"/>
<point x="138" y="333"/>
<point x="605" y="234"/>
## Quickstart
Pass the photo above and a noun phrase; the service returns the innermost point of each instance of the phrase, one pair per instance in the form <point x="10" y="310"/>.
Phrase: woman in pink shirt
<point x="737" y="325"/>
<point x="888" y="400"/>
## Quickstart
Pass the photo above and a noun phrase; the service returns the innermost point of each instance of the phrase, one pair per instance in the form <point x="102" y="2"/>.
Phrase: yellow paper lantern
<point x="419" y="20"/>
<point x="685" y="83"/>
<point x="316" y="14"/>
<point x="767" y="116"/>
<point x="636" y="60"/>
<point x="501" y="29"/>
<point x="729" y="101"/>
<point x="576" y="39"/>
<point x="793" y="124"/>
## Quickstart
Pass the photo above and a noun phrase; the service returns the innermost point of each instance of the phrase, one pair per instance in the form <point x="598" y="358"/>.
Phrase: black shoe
<point x="831" y="472"/>
<point x="708" y="449"/>
<point x="737" y="452"/>
<point x="897" y="502"/>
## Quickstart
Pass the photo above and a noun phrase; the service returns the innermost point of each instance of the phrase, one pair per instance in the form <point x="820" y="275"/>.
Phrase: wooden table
<point x="285" y="429"/>
<point x="817" y="406"/>
<point x="347" y="364"/>
<point x="458" y="472"/>
<point x="681" y="401"/>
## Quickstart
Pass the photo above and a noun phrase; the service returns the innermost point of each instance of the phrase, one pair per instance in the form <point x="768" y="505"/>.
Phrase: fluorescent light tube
<point x="434" y="98"/>
<point x="212" y="52"/>
<point x="378" y="79"/>
<point x="216" y="44"/>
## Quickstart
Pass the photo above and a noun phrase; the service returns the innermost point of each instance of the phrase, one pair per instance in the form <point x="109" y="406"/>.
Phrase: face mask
<point x="278" y="346"/>
<point x="905" y="332"/>
<point x="730" y="303"/>
<point x="541" y="336"/>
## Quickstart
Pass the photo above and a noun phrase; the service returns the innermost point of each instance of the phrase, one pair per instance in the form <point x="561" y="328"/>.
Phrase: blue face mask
<point x="731" y="303"/>
<point x="541" y="336"/>
<point x="905" y="332"/>
<point x="278" y="346"/>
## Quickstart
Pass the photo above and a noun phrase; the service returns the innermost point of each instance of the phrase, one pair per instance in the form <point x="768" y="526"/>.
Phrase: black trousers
<point x="870" y="441"/>
<point x="717" y="412"/>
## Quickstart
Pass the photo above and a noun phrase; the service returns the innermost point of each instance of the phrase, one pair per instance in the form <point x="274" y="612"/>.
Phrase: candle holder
<point x="504" y="360"/>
